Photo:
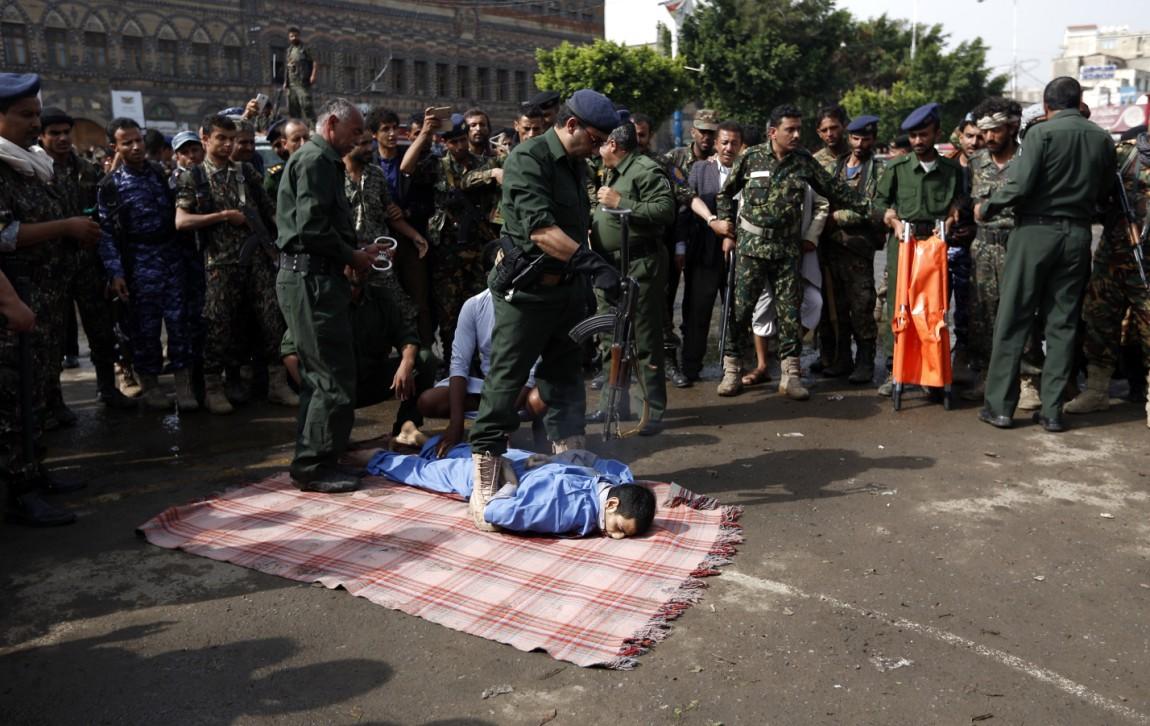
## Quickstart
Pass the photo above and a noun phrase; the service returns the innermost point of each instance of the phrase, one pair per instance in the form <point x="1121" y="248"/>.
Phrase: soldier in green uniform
<point x="317" y="240"/>
<point x="640" y="184"/>
<point x="1065" y="173"/>
<point x="286" y="137"/>
<point x="922" y="188"/>
<point x="773" y="179"/>
<point x="1116" y="287"/>
<point x="33" y="230"/>
<point x="299" y="77"/>
<point x="540" y="288"/>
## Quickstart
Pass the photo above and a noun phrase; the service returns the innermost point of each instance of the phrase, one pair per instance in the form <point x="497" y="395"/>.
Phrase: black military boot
<point x="106" y="390"/>
<point x="842" y="364"/>
<point x="671" y="363"/>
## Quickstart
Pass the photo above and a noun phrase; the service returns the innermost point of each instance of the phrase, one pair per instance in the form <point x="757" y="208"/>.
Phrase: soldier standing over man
<point x="546" y="214"/>
<point x="640" y="184"/>
<point x="773" y="179"/>
<point x="32" y="233"/>
<point x="299" y="77"/>
<point x="1064" y="175"/>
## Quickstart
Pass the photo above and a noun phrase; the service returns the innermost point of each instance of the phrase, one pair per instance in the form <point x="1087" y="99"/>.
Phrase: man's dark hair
<point x="996" y="104"/>
<point x="733" y="127"/>
<point x="379" y="116"/>
<point x="490" y="251"/>
<point x="293" y="29"/>
<point x="902" y="141"/>
<point x="476" y="111"/>
<point x="154" y="142"/>
<point x="1062" y="93"/>
<point x="563" y="114"/>
<point x="786" y="110"/>
<point x="119" y="123"/>
<point x="642" y="118"/>
<point x="216" y="121"/>
<point x="636" y="502"/>
<point x="834" y="111"/>
<point x="531" y="112"/>
<point x="968" y="121"/>
<point x="625" y="137"/>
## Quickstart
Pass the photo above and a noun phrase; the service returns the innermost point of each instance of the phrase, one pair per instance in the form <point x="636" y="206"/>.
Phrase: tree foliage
<point x="639" y="78"/>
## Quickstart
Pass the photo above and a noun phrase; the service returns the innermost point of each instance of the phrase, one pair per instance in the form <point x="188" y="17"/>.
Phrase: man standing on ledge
<point x="300" y="77"/>
<point x="317" y="241"/>
<point x="546" y="216"/>
<point x="1065" y="172"/>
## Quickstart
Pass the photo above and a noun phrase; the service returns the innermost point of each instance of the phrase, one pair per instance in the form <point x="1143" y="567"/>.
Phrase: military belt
<point x="310" y="264"/>
<point x="1043" y="220"/>
<point x="764" y="232"/>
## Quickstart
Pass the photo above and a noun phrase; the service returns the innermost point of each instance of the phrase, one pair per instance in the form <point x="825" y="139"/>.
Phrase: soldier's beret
<point x="921" y="116"/>
<point x="275" y="130"/>
<point x="544" y="100"/>
<point x="182" y="138"/>
<point x="54" y="115"/>
<point x="232" y="111"/>
<point x="706" y="120"/>
<point x="594" y="109"/>
<point x="14" y="86"/>
<point x="458" y="127"/>
<point x="864" y="125"/>
<point x="624" y="114"/>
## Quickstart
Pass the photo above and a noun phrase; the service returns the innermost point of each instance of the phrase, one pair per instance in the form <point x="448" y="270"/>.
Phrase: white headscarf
<point x="29" y="162"/>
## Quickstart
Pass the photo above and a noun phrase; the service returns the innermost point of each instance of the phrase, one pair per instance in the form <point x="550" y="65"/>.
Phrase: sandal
<point x="756" y="377"/>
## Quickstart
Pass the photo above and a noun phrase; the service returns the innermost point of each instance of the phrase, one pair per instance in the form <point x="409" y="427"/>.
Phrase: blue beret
<point x="232" y="111"/>
<point x="594" y="109"/>
<point x="18" y="85"/>
<point x="864" y="125"/>
<point x="458" y="127"/>
<point x="275" y="130"/>
<point x="184" y="137"/>
<point x="921" y="116"/>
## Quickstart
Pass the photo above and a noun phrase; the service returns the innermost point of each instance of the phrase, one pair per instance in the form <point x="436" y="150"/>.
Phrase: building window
<point x="232" y="61"/>
<point x="132" y="46"/>
<point x="95" y="49"/>
<point x="15" y="43"/>
<point x="462" y="82"/>
<point x="502" y="85"/>
<point x="441" y="83"/>
<point x="421" y="85"/>
<point x="521" y="85"/>
<point x="483" y="80"/>
<point x="201" y="60"/>
<point x="398" y="76"/>
<point x="350" y="74"/>
<point x="279" y="53"/>
<point x="56" y="40"/>
<point x="166" y="54"/>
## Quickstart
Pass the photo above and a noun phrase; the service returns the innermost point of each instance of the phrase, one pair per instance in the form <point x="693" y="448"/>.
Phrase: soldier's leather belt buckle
<point x="551" y="279"/>
<point x="765" y="232"/>
<point x="305" y="264"/>
<point x="1042" y="219"/>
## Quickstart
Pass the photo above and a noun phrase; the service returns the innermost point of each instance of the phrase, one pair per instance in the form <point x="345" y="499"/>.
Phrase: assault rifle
<point x="728" y="296"/>
<point x="620" y="324"/>
<point x="1136" y="239"/>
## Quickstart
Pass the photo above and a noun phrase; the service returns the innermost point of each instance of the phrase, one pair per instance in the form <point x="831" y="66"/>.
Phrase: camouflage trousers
<point x="1114" y="287"/>
<point x="988" y="260"/>
<point x="958" y="270"/>
<point x="852" y="278"/>
<point x="158" y="279"/>
<point x="300" y="103"/>
<point x="751" y="276"/>
<point x="456" y="274"/>
<point x="237" y="296"/>
<point x="39" y="292"/>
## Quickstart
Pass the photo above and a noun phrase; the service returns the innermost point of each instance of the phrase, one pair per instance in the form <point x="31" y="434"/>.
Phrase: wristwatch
<point x="712" y="218"/>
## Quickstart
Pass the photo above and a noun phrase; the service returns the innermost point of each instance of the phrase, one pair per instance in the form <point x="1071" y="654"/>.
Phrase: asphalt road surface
<point x="909" y="568"/>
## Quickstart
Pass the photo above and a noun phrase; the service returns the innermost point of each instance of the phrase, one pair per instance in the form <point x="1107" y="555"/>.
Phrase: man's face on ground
<point x="862" y="145"/>
<point x="294" y="38"/>
<point x="999" y="138"/>
<point x="387" y="135"/>
<point x="830" y="130"/>
<point x="129" y="145"/>
<point x="704" y="141"/>
<point x="643" y="134"/>
<point x="245" y="146"/>
<point x="20" y="124"/>
<point x="347" y="133"/>
<point x="615" y="525"/>
<point x="786" y="135"/>
<point x="971" y="139"/>
<point x="529" y="128"/>
<point x="219" y="143"/>
<point x="57" y="139"/>
<point x="923" y="139"/>
<point x="361" y="152"/>
<point x="729" y="144"/>
<point x="294" y="136"/>
<point x="190" y="154"/>
<point x="478" y="129"/>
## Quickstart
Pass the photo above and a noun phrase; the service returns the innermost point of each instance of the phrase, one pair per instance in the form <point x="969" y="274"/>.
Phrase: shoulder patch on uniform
<point x="764" y="174"/>
<point x="276" y="169"/>
<point x="678" y="175"/>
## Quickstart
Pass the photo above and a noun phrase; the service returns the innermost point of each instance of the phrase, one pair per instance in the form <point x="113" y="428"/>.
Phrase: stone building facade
<point x="191" y="57"/>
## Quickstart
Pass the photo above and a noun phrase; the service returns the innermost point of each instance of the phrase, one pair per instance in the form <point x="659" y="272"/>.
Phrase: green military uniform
<point x="315" y="225"/>
<point x="299" y="65"/>
<point x="918" y="196"/>
<point x="769" y="240"/>
<point x="646" y="191"/>
<point x="1063" y="174"/>
<point x="380" y="332"/>
<point x="272" y="181"/>
<point x="542" y="187"/>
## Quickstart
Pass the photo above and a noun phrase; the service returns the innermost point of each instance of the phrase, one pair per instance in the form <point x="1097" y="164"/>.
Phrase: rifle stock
<point x="1131" y="223"/>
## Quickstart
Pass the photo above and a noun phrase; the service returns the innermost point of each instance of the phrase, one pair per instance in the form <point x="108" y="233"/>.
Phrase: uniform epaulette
<point x="276" y="169"/>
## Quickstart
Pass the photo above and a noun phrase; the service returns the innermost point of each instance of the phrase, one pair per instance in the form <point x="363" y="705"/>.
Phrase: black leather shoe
<point x="651" y="428"/>
<point x="1053" y="425"/>
<point x="598" y="382"/>
<point x="33" y="511"/>
<point x="49" y="483"/>
<point x="328" y="480"/>
<point x="1000" y="422"/>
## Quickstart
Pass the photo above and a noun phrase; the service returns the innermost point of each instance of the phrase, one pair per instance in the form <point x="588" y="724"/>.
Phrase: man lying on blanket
<point x="574" y="493"/>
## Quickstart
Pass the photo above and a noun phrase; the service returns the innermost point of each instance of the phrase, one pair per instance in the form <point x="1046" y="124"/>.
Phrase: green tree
<point x="891" y="105"/>
<point x="636" y="77"/>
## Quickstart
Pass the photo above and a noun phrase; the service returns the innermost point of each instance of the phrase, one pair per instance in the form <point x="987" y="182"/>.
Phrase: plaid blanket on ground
<point x="592" y="601"/>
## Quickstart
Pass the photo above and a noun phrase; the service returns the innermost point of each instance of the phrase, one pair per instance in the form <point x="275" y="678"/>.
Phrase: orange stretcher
<point x="921" y="337"/>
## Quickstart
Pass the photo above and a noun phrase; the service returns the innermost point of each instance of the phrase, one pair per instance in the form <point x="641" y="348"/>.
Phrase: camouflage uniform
<point x="828" y="158"/>
<point x="466" y="197"/>
<point x="34" y="272"/>
<point x="988" y="256"/>
<point x="299" y="65"/>
<point x="1115" y="284"/>
<point x="239" y="291"/>
<point x="139" y="244"/>
<point x="769" y="237"/>
<point x="369" y="199"/>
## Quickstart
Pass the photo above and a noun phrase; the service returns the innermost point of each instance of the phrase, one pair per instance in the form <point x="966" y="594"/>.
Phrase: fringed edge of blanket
<point x="690" y="591"/>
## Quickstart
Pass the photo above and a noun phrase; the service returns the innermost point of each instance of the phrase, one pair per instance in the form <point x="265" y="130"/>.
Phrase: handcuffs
<point x="382" y="261"/>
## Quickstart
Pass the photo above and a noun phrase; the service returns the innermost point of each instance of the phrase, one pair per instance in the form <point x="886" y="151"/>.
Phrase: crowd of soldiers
<point x="325" y="282"/>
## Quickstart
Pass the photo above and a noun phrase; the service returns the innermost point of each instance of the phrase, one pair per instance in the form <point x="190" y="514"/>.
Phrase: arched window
<point x="95" y="43"/>
<point x="56" y="40"/>
<point x="15" y="34"/>
<point x="233" y="56"/>
<point x="167" y="52"/>
<point x="201" y="54"/>
<point x="132" y="47"/>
